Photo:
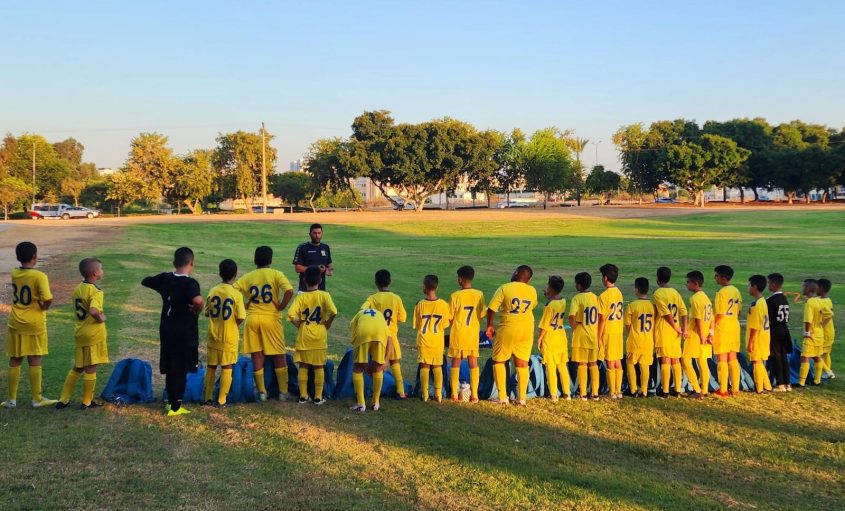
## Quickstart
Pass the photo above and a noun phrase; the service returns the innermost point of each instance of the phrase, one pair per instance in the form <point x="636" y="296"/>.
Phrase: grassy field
<point x="753" y="452"/>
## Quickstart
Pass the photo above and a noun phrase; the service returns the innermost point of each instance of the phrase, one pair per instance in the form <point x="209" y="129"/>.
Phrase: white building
<point x="296" y="165"/>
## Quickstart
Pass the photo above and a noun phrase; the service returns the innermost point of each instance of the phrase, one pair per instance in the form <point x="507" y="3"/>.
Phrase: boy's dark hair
<point x="584" y="279"/>
<point x="382" y="278"/>
<point x="696" y="276"/>
<point x="182" y="257"/>
<point x="641" y="283"/>
<point x="87" y="265"/>
<point x="811" y="281"/>
<point x="724" y="271"/>
<point x="313" y="276"/>
<point x="263" y="256"/>
<point x="776" y="279"/>
<point x="430" y="282"/>
<point x="664" y="275"/>
<point x="466" y="273"/>
<point x="315" y="226"/>
<point x="228" y="269"/>
<point x="758" y="281"/>
<point x="556" y="283"/>
<point x="523" y="270"/>
<point x="610" y="272"/>
<point x="812" y="286"/>
<point x="25" y="251"/>
<point x="824" y="285"/>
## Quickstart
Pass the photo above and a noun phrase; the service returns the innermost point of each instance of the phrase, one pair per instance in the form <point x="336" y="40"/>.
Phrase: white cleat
<point x="358" y="408"/>
<point x="11" y="403"/>
<point x="44" y="402"/>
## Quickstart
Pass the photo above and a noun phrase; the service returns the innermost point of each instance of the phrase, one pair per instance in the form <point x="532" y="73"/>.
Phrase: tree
<point x="150" y="164"/>
<point x="194" y="179"/>
<point x="756" y="136"/>
<point x="577" y="145"/>
<point x="482" y="174"/>
<point x="602" y="182"/>
<point x="295" y="187"/>
<point x="72" y="187"/>
<point x="125" y="187"/>
<point x="12" y="190"/>
<point x="685" y="165"/>
<point x="326" y="162"/>
<point x="548" y="166"/>
<point x="70" y="150"/>
<point x="510" y="167"/>
<point x="237" y="160"/>
<point x="724" y="161"/>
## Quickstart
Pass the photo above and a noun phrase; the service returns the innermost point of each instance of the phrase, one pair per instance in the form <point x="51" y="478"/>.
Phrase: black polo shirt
<point x="308" y="254"/>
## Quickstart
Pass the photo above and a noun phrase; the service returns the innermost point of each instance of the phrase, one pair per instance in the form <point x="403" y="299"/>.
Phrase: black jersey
<point x="309" y="254"/>
<point x="178" y="330"/>
<point x="778" y="306"/>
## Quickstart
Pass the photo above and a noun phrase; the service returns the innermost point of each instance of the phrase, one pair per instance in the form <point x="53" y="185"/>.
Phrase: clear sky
<point x="103" y="72"/>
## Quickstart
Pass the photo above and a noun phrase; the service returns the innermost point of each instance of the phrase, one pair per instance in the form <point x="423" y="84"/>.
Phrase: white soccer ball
<point x="465" y="392"/>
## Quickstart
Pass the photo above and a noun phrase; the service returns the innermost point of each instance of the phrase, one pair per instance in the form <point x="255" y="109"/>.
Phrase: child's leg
<point x="358" y="383"/>
<point x="208" y="384"/>
<point x="500" y="378"/>
<point x="225" y="384"/>
<point x="677" y="375"/>
<point x="14" y="376"/>
<point x="760" y="376"/>
<point x="174" y="382"/>
<point x="425" y="373"/>
<point x="689" y="370"/>
<point x="302" y="378"/>
<point x="817" y="376"/>
<point x="644" y="369"/>
<point x="594" y="379"/>
<point x="563" y="371"/>
<point x="378" y="381"/>
<point x="258" y="372"/>
<point x="665" y="373"/>
<point x="733" y="368"/>
<point x="70" y="384"/>
<point x="704" y="370"/>
<point x="89" y="381"/>
<point x="551" y="374"/>
<point x="582" y="379"/>
<point x="437" y="372"/>
<point x="474" y="377"/>
<point x="722" y="372"/>
<point x="319" y="381"/>
<point x="611" y="377"/>
<point x="803" y="371"/>
<point x="826" y="360"/>
<point x="455" y="377"/>
<point x="617" y="366"/>
<point x="632" y="374"/>
<point x="34" y="362"/>
<point x="521" y="379"/>
<point x="396" y="369"/>
<point x="280" y="367"/>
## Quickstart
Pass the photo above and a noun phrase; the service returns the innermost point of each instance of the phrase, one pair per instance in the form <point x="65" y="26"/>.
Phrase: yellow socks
<point x="620" y="377"/>
<point x="70" y="385"/>
<point x="425" y="372"/>
<point x="826" y="362"/>
<point x="594" y="380"/>
<point x="563" y="371"/>
<point x="522" y="383"/>
<point x="705" y="375"/>
<point x="610" y="374"/>
<point x="208" y="388"/>
<point x="15" y="378"/>
<point x="358" y="385"/>
<point x="722" y="375"/>
<point x="378" y="380"/>
<point x="302" y="378"/>
<point x="282" y="378"/>
<point x="319" y="381"/>
<point x="225" y="385"/>
<point x="759" y="377"/>
<point x="89" y="381"/>
<point x="632" y="376"/>
<point x="733" y="368"/>
<point x="582" y="380"/>
<point x="500" y="377"/>
<point x="803" y="372"/>
<point x="35" y="383"/>
<point x="396" y="369"/>
<point x="817" y="375"/>
<point x="551" y="374"/>
<point x="474" y="377"/>
<point x="689" y="370"/>
<point x="455" y="381"/>
<point x="665" y="376"/>
<point x="258" y="376"/>
<point x="644" y="379"/>
<point x="437" y="371"/>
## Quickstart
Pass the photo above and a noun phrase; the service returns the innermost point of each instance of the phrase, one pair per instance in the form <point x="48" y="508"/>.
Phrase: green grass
<point x="763" y="452"/>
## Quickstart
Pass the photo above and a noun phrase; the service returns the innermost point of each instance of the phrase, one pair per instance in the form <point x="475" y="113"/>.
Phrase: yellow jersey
<point x="814" y="314"/>
<point x="610" y="306"/>
<point x="553" y="322"/>
<point x="224" y="306"/>
<point x="758" y="319"/>
<point x="827" y="313"/>
<point x="431" y="318"/>
<point x="728" y="304"/>
<point x="639" y="319"/>
<point x="313" y="309"/>
<point x="700" y="308"/>
<point x="467" y="308"/>
<point x="584" y="307"/>
<point x="369" y="325"/>
<point x="515" y="301"/>
<point x="391" y="307"/>
<point x="88" y="331"/>
<point x="263" y="289"/>
<point x="667" y="300"/>
<point x="29" y="286"/>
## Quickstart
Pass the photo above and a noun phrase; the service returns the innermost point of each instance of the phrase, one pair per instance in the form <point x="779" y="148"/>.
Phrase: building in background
<point x="296" y="165"/>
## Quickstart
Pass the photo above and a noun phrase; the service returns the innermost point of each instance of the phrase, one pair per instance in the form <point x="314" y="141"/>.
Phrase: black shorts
<point x="178" y="355"/>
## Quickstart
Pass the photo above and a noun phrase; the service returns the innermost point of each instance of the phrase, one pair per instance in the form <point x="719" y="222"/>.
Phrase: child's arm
<point x="573" y="323"/>
<point x="98" y="315"/>
<point x="388" y="354"/>
<point x="45" y="304"/>
<point x="285" y="300"/>
<point x="197" y="304"/>
<point x="330" y="320"/>
<point x="540" y="339"/>
<point x="752" y="336"/>
<point x="490" y="330"/>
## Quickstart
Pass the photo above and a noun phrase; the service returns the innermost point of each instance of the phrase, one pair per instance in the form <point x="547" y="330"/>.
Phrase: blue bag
<point x="131" y="381"/>
<point x="194" y="383"/>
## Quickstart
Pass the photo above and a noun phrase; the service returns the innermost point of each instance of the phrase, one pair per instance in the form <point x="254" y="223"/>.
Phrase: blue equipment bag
<point x="131" y="381"/>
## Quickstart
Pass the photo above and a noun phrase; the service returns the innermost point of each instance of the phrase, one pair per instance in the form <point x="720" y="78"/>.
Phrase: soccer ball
<point x="465" y="392"/>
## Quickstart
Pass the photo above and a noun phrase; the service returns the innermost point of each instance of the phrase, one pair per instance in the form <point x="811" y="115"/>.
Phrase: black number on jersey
<point x="388" y="315"/>
<point x="645" y="322"/>
<point x="80" y="310"/>
<point x="21" y="296"/>
<point x="265" y="294"/>
<point x="615" y="311"/>
<point x="220" y="308"/>
<point x="591" y="315"/>
<point x="516" y="303"/>
<point x="312" y="317"/>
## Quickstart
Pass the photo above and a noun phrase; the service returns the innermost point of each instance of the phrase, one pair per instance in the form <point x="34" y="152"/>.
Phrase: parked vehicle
<point x="513" y="204"/>
<point x="404" y="205"/>
<point x="63" y="211"/>
<point x="665" y="200"/>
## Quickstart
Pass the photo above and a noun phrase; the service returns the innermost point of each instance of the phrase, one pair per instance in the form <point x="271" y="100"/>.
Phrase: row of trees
<point x="796" y="157"/>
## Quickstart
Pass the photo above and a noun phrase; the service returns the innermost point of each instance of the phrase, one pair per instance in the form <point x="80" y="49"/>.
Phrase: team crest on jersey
<point x="323" y="253"/>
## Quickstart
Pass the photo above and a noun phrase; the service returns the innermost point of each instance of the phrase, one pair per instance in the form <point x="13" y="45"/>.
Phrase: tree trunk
<point x="5" y="212"/>
<point x="756" y="194"/>
<point x="546" y="199"/>
<point x="384" y="193"/>
<point x="790" y="197"/>
<point x="741" y="195"/>
<point x="311" y="203"/>
<point x="190" y="206"/>
<point x="76" y="202"/>
<point x="725" y="194"/>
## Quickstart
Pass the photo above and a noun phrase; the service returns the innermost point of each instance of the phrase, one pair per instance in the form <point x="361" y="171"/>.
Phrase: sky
<point x="103" y="72"/>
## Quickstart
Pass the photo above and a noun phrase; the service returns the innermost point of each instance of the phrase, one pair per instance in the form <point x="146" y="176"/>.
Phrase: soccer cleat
<point x="44" y="402"/>
<point x="734" y="393"/>
<point x="262" y="396"/>
<point x="694" y="395"/>
<point x="221" y="405"/>
<point x="376" y="407"/>
<point x="595" y="397"/>
<point x="320" y="401"/>
<point x="583" y="398"/>
<point x="721" y="393"/>
<point x="642" y="394"/>
<point x="662" y="395"/>
<point x="554" y="399"/>
<point x="438" y="399"/>
<point x="473" y="399"/>
<point x="567" y="398"/>
<point x="284" y="396"/>
<point x="613" y="397"/>
<point x="789" y="388"/>
<point x="402" y="396"/>
<point x="304" y="400"/>
<point x="61" y="406"/>
<point x="828" y="375"/>
<point x="497" y="401"/>
<point x="93" y="404"/>
<point x="521" y="402"/>
<point x="11" y="403"/>
<point x="208" y="402"/>
<point x="454" y="399"/>
<point x="358" y="408"/>
<point x="779" y="388"/>
<point x="181" y="411"/>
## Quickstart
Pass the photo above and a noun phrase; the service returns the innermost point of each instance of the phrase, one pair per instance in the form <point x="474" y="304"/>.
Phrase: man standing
<point x="315" y="253"/>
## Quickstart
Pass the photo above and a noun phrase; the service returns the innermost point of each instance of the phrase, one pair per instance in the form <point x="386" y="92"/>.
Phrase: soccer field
<point x="773" y="451"/>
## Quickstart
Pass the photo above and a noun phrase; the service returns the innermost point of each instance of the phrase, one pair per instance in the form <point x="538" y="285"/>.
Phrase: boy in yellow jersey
<point x="639" y="322"/>
<point x="89" y="335"/>
<point x="813" y="333"/>
<point x="584" y="318"/>
<point x="27" y="326"/>
<point x="467" y="307"/>
<point x="225" y="310"/>
<point x="610" y="327"/>
<point x="371" y="348"/>
<point x="431" y="318"/>
<point x="266" y="292"/>
<point x="552" y="339"/>
<point x="515" y="302"/>
<point x="669" y="325"/>
<point x="829" y="331"/>
<point x="698" y="339"/>
<point x="727" y="307"/>
<point x="312" y="313"/>
<point x="758" y="334"/>
<point x="391" y="307"/>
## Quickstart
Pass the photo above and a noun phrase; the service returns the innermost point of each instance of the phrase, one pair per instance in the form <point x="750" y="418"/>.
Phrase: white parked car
<point x="63" y="211"/>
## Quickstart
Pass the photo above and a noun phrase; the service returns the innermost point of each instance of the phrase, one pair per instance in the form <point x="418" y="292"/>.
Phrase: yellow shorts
<point x="218" y="357"/>
<point x="641" y="358"/>
<point x="722" y="346"/>
<point x="513" y="341"/>
<point x="811" y="350"/>
<point x="556" y="358"/>
<point x="827" y="347"/>
<point x="311" y="357"/>
<point x="671" y="349"/>
<point x="706" y="351"/>
<point x="23" y="345"/>
<point x="455" y="352"/>
<point x="430" y="356"/>
<point x="760" y="355"/>
<point x="612" y="348"/>
<point x="397" y="349"/>
<point x="582" y="355"/>
<point x="369" y="350"/>
<point x="91" y="355"/>
<point x="692" y="348"/>
<point x="265" y="334"/>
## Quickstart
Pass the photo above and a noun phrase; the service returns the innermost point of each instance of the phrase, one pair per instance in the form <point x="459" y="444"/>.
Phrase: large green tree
<point x="295" y="187"/>
<point x="326" y="161"/>
<point x="237" y="160"/>
<point x="194" y="179"/>
<point x="12" y="190"/>
<point x="548" y="166"/>
<point x="151" y="165"/>
<point x="602" y="183"/>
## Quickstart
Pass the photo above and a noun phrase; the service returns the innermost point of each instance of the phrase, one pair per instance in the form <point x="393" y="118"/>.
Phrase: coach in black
<point x="313" y="253"/>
